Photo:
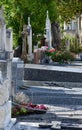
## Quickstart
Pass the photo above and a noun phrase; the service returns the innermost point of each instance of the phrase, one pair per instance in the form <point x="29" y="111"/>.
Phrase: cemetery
<point x="40" y="84"/>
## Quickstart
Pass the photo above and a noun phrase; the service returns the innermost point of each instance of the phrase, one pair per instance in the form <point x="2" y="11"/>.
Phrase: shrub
<point x="62" y="56"/>
<point x="75" y="47"/>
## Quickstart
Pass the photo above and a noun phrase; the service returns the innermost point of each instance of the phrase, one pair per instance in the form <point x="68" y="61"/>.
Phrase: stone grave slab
<point x="71" y="126"/>
<point x="28" y="126"/>
<point x="35" y="72"/>
<point x="17" y="72"/>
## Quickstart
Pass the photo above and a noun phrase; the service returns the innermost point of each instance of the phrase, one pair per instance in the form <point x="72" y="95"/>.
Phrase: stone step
<point x="30" y="83"/>
<point x="54" y="95"/>
<point x="58" y="94"/>
<point x="56" y="100"/>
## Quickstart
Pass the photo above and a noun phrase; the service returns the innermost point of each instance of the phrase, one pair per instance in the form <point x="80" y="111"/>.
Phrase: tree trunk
<point x="56" y="40"/>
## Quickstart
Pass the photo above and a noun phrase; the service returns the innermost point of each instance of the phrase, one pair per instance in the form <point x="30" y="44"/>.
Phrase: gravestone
<point x="29" y="30"/>
<point x="5" y="77"/>
<point x="9" y="40"/>
<point x="17" y="73"/>
<point x="36" y="56"/>
<point x="48" y="31"/>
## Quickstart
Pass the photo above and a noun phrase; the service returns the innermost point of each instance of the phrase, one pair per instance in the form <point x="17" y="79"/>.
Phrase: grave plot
<point x="62" y="103"/>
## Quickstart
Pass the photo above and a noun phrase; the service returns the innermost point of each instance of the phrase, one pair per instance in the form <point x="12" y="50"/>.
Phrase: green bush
<point x="80" y="48"/>
<point x="62" y="56"/>
<point x="74" y="44"/>
<point x="75" y="47"/>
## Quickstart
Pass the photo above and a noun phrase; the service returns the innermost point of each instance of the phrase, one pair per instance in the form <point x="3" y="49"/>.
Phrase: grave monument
<point x="5" y="75"/>
<point x="48" y="31"/>
<point x="24" y="44"/>
<point x="29" y="30"/>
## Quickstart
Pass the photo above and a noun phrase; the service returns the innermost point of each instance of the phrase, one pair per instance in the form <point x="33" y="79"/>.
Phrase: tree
<point x="68" y="9"/>
<point x="38" y="10"/>
<point x="17" y="12"/>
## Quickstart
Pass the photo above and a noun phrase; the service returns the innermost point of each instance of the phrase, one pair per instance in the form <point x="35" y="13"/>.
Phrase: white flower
<point x="20" y="97"/>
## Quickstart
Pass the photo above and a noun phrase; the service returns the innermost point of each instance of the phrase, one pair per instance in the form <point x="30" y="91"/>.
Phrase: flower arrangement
<point x="49" y="52"/>
<point x="62" y="56"/>
<point x="29" y="108"/>
<point x="22" y="106"/>
<point x="59" y="55"/>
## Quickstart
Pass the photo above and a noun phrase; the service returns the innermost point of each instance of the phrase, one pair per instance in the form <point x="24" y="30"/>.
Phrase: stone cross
<point x="24" y="45"/>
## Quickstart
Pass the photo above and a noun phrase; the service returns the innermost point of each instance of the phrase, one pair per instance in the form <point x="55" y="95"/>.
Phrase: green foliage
<point x="17" y="12"/>
<point x="23" y="110"/>
<point x="37" y="11"/>
<point x="62" y="56"/>
<point x="74" y="47"/>
<point x="63" y="43"/>
<point x="80" y="48"/>
<point x="68" y="9"/>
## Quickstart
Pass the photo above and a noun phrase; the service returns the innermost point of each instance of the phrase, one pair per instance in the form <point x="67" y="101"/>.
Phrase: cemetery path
<point x="63" y="102"/>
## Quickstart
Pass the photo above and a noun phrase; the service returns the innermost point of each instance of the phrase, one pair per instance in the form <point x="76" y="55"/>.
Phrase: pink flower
<point x="41" y="107"/>
<point x="32" y="105"/>
<point x="51" y="50"/>
<point x="44" y="48"/>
